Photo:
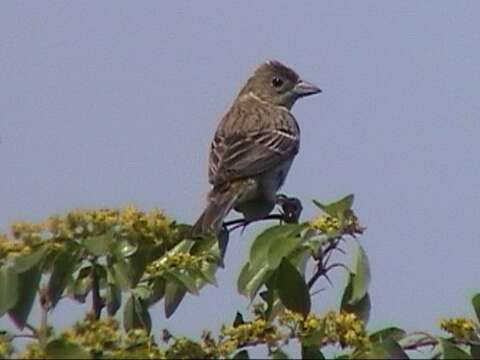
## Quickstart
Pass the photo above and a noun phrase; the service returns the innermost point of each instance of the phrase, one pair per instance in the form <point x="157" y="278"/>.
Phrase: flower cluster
<point x="81" y="223"/>
<point x="6" y="348"/>
<point x="326" y="224"/>
<point x="95" y="335"/>
<point x="250" y="332"/>
<point x="346" y="329"/>
<point x="459" y="327"/>
<point x="12" y="248"/>
<point x="335" y="327"/>
<point x="180" y="260"/>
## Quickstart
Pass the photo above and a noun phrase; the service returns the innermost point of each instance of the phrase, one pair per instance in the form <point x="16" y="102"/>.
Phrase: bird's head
<point x="277" y="84"/>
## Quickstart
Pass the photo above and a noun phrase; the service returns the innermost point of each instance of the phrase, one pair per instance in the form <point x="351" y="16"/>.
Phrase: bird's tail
<point x="220" y="202"/>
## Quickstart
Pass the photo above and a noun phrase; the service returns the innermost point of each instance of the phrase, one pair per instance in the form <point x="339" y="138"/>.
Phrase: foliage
<point x="127" y="260"/>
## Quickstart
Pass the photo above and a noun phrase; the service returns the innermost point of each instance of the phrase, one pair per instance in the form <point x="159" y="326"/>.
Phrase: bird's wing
<point x="246" y="154"/>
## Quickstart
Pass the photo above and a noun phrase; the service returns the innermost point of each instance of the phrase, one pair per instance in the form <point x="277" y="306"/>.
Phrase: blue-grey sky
<point x="114" y="102"/>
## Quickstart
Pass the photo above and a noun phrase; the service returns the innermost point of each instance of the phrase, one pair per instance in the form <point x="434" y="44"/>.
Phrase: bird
<point x="253" y="147"/>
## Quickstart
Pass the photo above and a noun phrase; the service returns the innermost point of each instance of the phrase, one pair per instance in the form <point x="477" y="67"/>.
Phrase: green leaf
<point x="113" y="299"/>
<point x="99" y="245"/>
<point x="311" y="352"/>
<point x="394" y="333"/>
<point x="387" y="349"/>
<point x="63" y="268"/>
<point x="158" y="290"/>
<point x="174" y="294"/>
<point x="279" y="354"/>
<point x="292" y="289"/>
<point x="122" y="248"/>
<point x="273" y="235"/>
<point x="257" y="281"/>
<point x="63" y="349"/>
<point x="81" y="286"/>
<point x="361" y="281"/>
<point x="283" y="246"/>
<point x="182" y="278"/>
<point x="361" y="308"/>
<point x="476" y="305"/>
<point x="250" y="280"/>
<point x="208" y="271"/>
<point x="243" y="279"/>
<point x="336" y="208"/>
<point x="475" y="351"/>
<point x="26" y="262"/>
<point x="28" y="283"/>
<point x="451" y="351"/>
<point x="203" y="245"/>
<point x="136" y="315"/>
<point x="241" y="355"/>
<point x="9" y="288"/>
<point x="138" y="262"/>
<point x="122" y="274"/>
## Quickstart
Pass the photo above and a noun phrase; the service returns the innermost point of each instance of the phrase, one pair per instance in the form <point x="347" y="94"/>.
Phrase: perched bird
<point x="254" y="146"/>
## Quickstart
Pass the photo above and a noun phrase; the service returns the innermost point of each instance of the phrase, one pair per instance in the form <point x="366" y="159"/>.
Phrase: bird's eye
<point x="277" y="82"/>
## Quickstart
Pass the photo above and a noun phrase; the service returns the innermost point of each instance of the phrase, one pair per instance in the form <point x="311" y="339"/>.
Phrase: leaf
<point x="451" y="351"/>
<point x="283" y="247"/>
<point x="113" y="299"/>
<point x="360" y="308"/>
<point x="63" y="349"/>
<point x="250" y="280"/>
<point x="203" y="245"/>
<point x="260" y="248"/>
<point x="9" y="288"/>
<point x="81" y="286"/>
<point x="28" y="283"/>
<point x="63" y="268"/>
<point x="241" y="355"/>
<point x="476" y="305"/>
<point x="311" y="352"/>
<point x="387" y="349"/>
<point x="122" y="274"/>
<point x="336" y="208"/>
<point x="394" y="333"/>
<point x="361" y="281"/>
<point x="99" y="245"/>
<point x="279" y="355"/>
<point x="292" y="289"/>
<point x="208" y="271"/>
<point x="256" y="282"/>
<point x="136" y="315"/>
<point x="243" y="279"/>
<point x="26" y="262"/>
<point x="138" y="262"/>
<point x="122" y="248"/>
<point x="158" y="290"/>
<point x="174" y="294"/>
<point x="475" y="351"/>
<point x="182" y="278"/>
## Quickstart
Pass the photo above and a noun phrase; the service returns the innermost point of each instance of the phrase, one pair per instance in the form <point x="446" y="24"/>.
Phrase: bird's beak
<point x="305" y="88"/>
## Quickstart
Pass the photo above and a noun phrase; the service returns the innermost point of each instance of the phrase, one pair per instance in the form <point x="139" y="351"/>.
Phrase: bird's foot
<point x="291" y="208"/>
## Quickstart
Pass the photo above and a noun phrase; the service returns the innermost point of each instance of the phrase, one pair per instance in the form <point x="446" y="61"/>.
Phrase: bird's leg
<point x="291" y="208"/>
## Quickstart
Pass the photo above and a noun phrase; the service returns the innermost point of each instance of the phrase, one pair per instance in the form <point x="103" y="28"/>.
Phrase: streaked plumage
<point x="254" y="146"/>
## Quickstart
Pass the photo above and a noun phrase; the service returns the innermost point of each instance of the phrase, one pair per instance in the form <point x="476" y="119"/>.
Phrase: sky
<point x="108" y="103"/>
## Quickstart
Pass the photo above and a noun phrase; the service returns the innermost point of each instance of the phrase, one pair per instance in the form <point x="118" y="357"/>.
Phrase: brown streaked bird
<point x="254" y="146"/>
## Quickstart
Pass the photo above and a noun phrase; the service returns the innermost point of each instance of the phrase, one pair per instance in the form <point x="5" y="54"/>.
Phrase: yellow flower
<point x="459" y="327"/>
<point x="325" y="224"/>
